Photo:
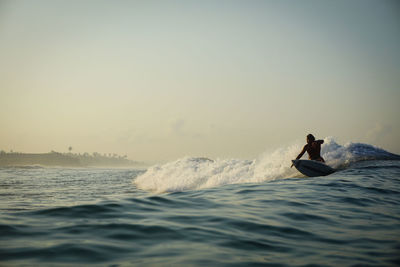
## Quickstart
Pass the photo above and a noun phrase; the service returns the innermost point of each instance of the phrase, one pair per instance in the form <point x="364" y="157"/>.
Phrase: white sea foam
<point x="198" y="173"/>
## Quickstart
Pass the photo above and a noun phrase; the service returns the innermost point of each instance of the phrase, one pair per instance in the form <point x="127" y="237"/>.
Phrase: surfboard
<point x="312" y="168"/>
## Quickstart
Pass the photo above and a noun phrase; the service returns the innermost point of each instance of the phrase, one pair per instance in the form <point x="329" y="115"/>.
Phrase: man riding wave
<point x="313" y="148"/>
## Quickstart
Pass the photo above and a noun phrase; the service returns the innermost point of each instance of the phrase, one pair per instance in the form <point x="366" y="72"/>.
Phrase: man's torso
<point x="314" y="150"/>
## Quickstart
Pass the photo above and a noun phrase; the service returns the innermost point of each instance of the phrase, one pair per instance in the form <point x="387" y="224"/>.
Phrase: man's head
<point x="310" y="138"/>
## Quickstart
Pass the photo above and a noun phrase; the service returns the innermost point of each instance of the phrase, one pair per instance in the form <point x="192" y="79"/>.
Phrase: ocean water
<point x="202" y="212"/>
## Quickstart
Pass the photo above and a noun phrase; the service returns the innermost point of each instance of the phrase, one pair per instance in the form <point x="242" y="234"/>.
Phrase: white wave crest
<point x="199" y="173"/>
<point x="339" y="156"/>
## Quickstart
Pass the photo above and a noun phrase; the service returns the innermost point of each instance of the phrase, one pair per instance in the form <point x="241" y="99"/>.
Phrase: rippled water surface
<point x="57" y="216"/>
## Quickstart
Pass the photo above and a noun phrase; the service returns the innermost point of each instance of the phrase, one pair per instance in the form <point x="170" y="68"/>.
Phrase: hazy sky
<point x="158" y="80"/>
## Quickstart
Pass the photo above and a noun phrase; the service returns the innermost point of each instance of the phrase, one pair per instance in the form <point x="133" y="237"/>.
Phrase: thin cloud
<point x="378" y="132"/>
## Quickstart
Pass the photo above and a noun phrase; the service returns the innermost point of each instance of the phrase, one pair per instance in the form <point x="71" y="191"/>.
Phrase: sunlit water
<point x="58" y="216"/>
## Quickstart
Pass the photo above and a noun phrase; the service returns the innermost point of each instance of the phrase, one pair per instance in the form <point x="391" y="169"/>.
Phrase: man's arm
<point x="320" y="142"/>
<point x="301" y="154"/>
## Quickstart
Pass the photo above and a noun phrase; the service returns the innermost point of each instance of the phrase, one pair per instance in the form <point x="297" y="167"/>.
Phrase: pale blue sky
<point x="158" y="80"/>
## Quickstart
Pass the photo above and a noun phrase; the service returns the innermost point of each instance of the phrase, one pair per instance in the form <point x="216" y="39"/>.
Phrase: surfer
<point x="313" y="148"/>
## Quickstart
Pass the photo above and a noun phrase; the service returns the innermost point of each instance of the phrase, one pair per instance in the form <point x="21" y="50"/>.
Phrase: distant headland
<point x="54" y="158"/>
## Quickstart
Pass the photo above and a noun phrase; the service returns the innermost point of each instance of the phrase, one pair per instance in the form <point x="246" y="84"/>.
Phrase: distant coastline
<point x="66" y="160"/>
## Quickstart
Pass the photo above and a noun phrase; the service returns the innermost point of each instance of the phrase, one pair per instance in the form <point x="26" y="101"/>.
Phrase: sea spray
<point x="199" y="173"/>
<point x="194" y="173"/>
<point x="340" y="157"/>
<point x="275" y="165"/>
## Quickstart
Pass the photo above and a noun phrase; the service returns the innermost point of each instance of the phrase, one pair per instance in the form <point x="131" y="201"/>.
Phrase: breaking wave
<point x="190" y="173"/>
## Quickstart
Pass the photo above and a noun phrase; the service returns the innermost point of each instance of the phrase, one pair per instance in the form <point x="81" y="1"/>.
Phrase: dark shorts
<point x="318" y="159"/>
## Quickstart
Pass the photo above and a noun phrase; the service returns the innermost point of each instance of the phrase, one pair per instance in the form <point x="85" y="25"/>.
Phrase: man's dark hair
<point x="311" y="137"/>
